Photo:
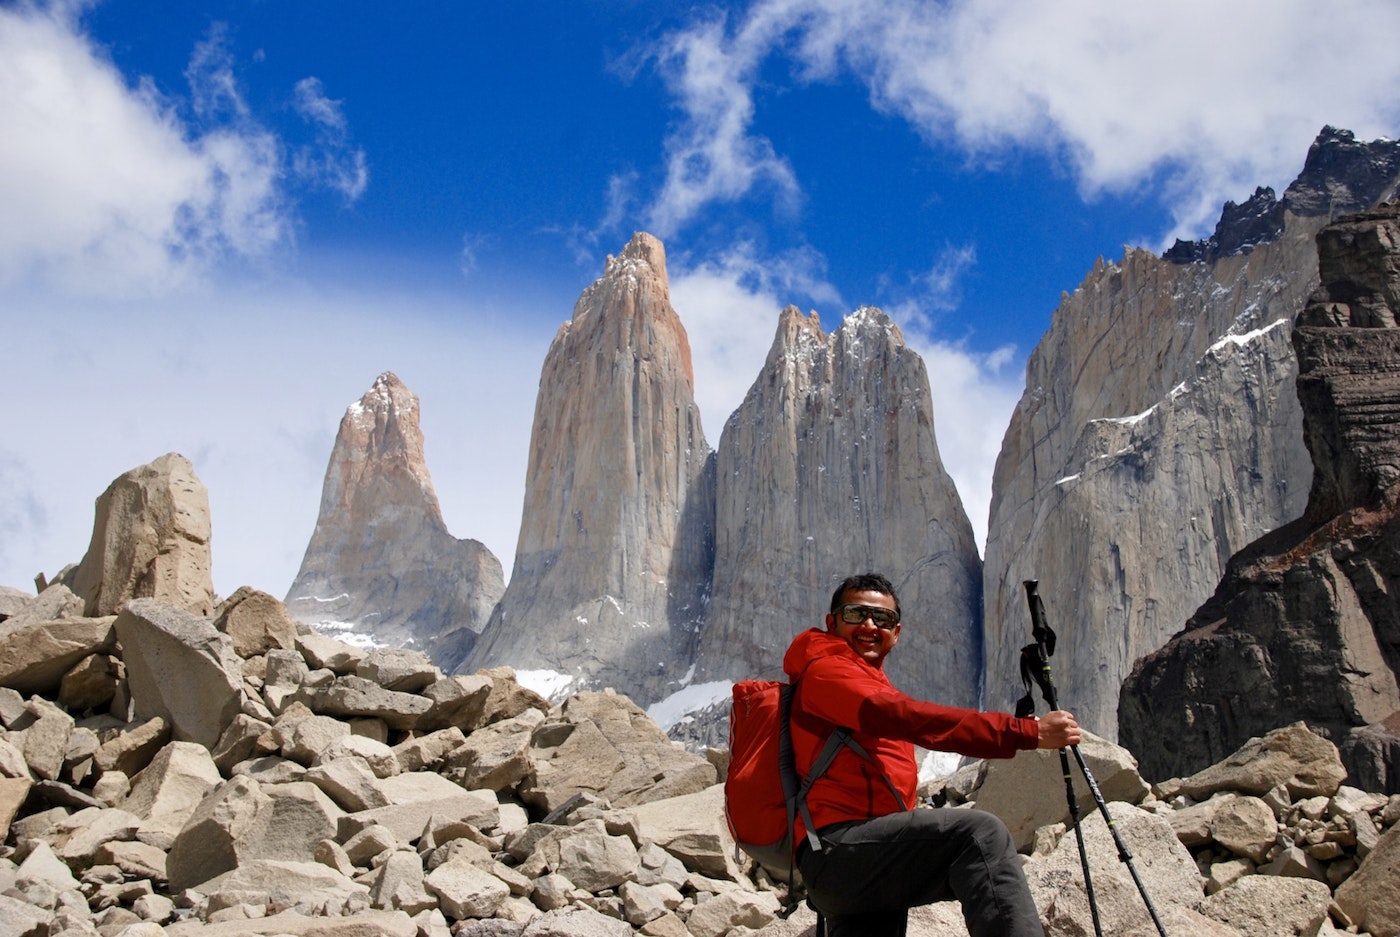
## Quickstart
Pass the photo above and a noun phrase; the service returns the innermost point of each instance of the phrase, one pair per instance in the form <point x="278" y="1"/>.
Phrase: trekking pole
<point x="1035" y="656"/>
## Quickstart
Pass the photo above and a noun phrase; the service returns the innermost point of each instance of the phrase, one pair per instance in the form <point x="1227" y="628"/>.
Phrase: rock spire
<point x="614" y="557"/>
<point x="828" y="468"/>
<point x="381" y="562"/>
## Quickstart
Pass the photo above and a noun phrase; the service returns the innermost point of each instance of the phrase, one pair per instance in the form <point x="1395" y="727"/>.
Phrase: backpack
<point x="763" y="794"/>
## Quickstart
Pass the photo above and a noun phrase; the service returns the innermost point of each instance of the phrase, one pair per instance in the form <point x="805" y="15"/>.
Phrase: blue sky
<point x="220" y="221"/>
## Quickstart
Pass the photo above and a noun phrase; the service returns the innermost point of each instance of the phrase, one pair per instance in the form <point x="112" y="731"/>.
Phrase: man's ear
<point x="831" y="623"/>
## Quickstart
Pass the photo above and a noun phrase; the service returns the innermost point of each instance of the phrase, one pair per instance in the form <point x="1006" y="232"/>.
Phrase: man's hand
<point x="1058" y="730"/>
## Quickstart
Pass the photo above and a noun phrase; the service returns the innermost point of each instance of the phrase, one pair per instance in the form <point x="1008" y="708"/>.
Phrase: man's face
<point x="865" y="637"/>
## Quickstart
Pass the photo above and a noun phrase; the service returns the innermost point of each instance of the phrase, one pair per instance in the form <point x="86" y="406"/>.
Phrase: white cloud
<point x="109" y="187"/>
<point x="1194" y="104"/>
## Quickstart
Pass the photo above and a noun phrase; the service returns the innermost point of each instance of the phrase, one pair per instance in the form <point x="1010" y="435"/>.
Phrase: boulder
<point x="494" y="757"/>
<point x="466" y="891"/>
<point x="721" y="914"/>
<point x="355" y="697"/>
<point x="399" y="884"/>
<point x="691" y="828"/>
<point x="35" y="656"/>
<point x="132" y="748"/>
<point x="1293" y="757"/>
<point x="150" y="540"/>
<point x="576" y="922"/>
<point x="181" y="668"/>
<point x="586" y="854"/>
<point x="53" y="602"/>
<point x="1267" y="906"/>
<point x="91" y="683"/>
<point x="44" y="731"/>
<point x="1247" y="827"/>
<point x="1170" y="874"/>
<point x="172" y="786"/>
<point x="306" y="887"/>
<point x="415" y="798"/>
<point x="350" y="783"/>
<point x="322" y="652"/>
<point x="1028" y="791"/>
<point x="242" y="821"/>
<point x="1371" y="897"/>
<point x="256" y="622"/>
<point x="604" y="743"/>
<point x="13" y="793"/>
<point x="399" y="668"/>
<point x="458" y="701"/>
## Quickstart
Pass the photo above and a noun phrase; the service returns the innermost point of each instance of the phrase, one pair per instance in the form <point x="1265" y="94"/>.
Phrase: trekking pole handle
<point x="1044" y="641"/>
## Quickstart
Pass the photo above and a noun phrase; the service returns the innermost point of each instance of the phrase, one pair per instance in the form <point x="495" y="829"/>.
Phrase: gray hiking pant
<point x="870" y="873"/>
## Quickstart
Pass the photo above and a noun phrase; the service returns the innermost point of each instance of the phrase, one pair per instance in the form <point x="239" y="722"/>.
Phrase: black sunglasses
<point x="855" y="614"/>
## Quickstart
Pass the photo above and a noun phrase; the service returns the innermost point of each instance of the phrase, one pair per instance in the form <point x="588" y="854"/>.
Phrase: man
<point x="879" y="857"/>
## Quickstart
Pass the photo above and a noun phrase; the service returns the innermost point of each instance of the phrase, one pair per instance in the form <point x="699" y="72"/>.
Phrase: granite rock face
<point x="150" y="540"/>
<point x="616" y="542"/>
<point x="1304" y="625"/>
<point x="1159" y="433"/>
<point x="830" y="467"/>
<point x="381" y="561"/>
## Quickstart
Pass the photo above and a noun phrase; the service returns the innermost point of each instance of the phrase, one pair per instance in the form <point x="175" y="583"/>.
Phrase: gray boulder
<point x="1371" y="897"/>
<point x="1268" y="906"/>
<point x="256" y="622"/>
<point x="34" y="656"/>
<point x="181" y="668"/>
<point x="1028" y="792"/>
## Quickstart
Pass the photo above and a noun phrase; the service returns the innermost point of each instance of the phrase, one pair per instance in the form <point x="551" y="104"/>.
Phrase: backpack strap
<point x="840" y="738"/>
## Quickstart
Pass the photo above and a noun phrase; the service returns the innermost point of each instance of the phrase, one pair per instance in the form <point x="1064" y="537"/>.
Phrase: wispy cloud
<point x="332" y="162"/>
<point x="1193" y="105"/>
<point x="114" y="187"/>
<point x="714" y="156"/>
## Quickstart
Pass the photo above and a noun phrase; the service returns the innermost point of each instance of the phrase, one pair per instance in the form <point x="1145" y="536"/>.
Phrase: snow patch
<point x="550" y="684"/>
<point x="679" y="705"/>
<point x="1246" y="337"/>
<point x="345" y="631"/>
<point x="938" y="765"/>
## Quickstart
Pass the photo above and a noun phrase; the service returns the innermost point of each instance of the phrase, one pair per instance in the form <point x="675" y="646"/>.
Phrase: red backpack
<point x="763" y="794"/>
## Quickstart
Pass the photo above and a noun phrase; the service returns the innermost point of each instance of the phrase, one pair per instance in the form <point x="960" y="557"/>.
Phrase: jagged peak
<point x="868" y="320"/>
<point x="385" y="394"/>
<point x="1339" y="175"/>
<point x="797" y="335"/>
<point x="644" y="250"/>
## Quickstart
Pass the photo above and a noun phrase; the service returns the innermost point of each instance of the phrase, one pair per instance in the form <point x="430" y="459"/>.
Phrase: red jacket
<point x="835" y="687"/>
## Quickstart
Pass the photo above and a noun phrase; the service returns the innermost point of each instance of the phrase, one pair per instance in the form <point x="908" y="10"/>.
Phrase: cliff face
<point x="828" y="468"/>
<point x="381" y="562"/>
<point x="1305" y="624"/>
<point x="1158" y="434"/>
<point x="613" y="563"/>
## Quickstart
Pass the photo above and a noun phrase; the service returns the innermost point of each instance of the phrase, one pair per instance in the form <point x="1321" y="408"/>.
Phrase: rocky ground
<point x="167" y="772"/>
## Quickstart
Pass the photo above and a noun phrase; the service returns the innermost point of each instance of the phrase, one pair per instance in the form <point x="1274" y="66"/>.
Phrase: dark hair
<point x="865" y="582"/>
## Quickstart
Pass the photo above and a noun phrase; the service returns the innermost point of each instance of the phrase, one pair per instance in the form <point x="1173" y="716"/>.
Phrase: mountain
<point x="830" y="467"/>
<point x="1304" y="625"/>
<point x="612" y="568"/>
<point x="1160" y="432"/>
<point x="381" y="563"/>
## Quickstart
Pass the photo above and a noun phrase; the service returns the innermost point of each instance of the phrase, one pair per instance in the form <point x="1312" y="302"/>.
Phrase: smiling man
<point x="877" y="857"/>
